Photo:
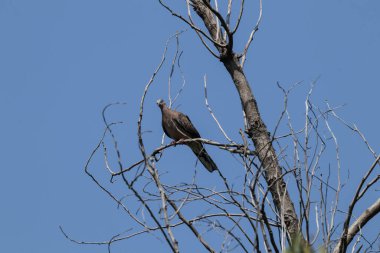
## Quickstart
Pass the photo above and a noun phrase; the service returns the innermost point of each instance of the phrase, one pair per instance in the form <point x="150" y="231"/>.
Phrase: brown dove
<point x="178" y="126"/>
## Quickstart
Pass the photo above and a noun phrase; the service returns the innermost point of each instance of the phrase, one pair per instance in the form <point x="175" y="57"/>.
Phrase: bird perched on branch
<point x="178" y="126"/>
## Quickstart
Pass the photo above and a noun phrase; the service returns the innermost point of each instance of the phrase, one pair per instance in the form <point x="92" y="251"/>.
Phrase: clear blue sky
<point x="61" y="62"/>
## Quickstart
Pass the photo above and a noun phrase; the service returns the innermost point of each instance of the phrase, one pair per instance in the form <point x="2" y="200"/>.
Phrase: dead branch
<point x="367" y="215"/>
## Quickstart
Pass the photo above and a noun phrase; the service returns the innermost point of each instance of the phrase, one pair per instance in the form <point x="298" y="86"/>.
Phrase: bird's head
<point x="161" y="103"/>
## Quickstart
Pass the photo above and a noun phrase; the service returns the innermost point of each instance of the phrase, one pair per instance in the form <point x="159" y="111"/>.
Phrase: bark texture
<point x="255" y="127"/>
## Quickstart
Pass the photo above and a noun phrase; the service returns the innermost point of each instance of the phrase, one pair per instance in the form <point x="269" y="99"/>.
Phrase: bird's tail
<point x="203" y="156"/>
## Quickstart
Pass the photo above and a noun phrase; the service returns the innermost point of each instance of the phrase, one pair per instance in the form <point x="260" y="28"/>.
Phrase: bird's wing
<point x="184" y="125"/>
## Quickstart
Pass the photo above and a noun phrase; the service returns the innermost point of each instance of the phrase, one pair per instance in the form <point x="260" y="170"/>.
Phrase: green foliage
<point x="299" y="246"/>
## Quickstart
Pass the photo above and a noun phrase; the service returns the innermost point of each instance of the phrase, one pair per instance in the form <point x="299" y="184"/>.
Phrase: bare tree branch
<point x="250" y="209"/>
<point x="343" y="242"/>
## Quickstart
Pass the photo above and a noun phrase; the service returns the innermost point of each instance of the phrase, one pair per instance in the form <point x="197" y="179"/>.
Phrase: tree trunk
<point x="255" y="126"/>
<point x="257" y="131"/>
